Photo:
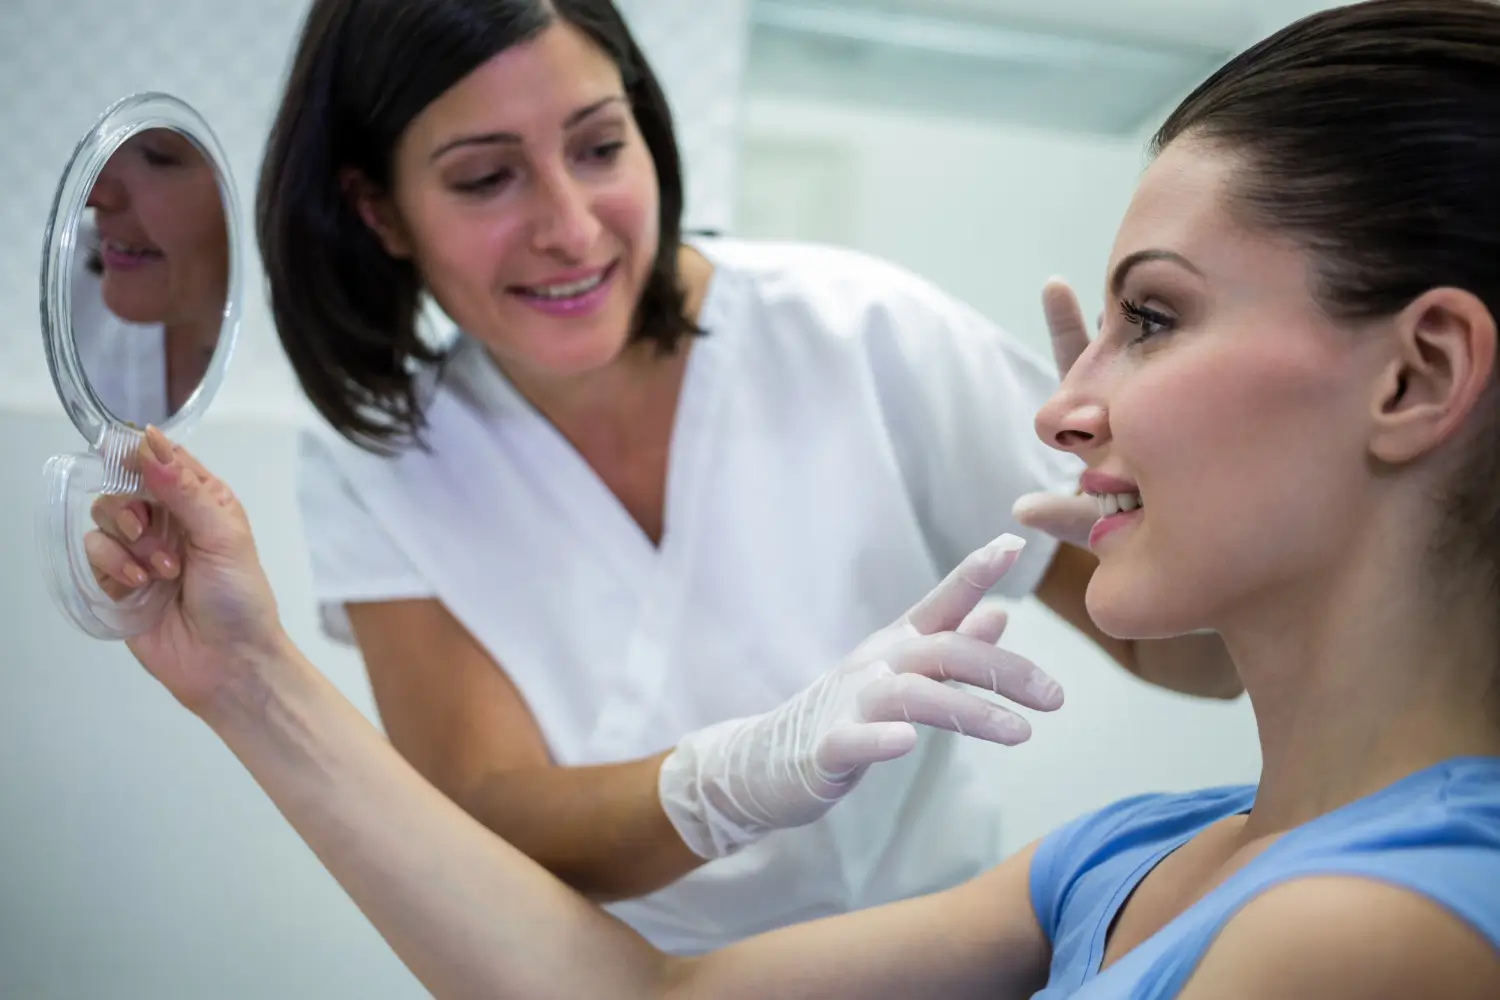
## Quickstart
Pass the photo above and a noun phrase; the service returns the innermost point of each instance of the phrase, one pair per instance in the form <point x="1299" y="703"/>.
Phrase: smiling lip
<point x="565" y="278"/>
<point x="1109" y="525"/>
<point x="1098" y="483"/>
<point x="115" y="259"/>
<point x="1101" y="484"/>
<point x="572" y="307"/>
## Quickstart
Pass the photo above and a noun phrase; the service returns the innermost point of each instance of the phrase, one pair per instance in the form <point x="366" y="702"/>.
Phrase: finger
<point x="849" y="747"/>
<point x="190" y="460"/>
<point x="1070" y="336"/>
<point x="947" y="604"/>
<point x="124" y="518"/>
<point x="110" y="561"/>
<point x="962" y="658"/>
<point x="128" y="521"/>
<point x="924" y="701"/>
<point x="985" y="623"/>
<point x="1066" y="518"/>
<point x="205" y="507"/>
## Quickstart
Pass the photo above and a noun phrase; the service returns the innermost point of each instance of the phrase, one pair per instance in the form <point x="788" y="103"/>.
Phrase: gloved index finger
<point x="1070" y="336"/>
<point x="946" y="605"/>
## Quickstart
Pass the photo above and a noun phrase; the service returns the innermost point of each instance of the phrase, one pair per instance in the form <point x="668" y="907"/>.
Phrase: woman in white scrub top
<point x="654" y="485"/>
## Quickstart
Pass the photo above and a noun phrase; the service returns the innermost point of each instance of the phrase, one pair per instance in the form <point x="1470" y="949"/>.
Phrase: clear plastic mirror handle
<point x="72" y="483"/>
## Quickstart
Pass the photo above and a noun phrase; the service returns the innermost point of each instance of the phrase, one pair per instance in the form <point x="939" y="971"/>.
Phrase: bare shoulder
<point x="1342" y="938"/>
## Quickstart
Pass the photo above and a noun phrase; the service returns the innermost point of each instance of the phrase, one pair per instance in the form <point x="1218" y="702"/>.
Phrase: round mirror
<point x="140" y="302"/>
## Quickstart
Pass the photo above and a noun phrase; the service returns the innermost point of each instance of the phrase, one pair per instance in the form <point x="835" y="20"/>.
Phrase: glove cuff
<point x="693" y="786"/>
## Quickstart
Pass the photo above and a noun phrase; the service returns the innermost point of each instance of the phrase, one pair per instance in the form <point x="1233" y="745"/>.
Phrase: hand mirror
<point x="140" y="300"/>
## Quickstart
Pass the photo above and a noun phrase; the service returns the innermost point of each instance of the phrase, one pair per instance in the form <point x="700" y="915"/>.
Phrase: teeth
<point x="1115" y="503"/>
<point x="569" y="290"/>
<point x="125" y="248"/>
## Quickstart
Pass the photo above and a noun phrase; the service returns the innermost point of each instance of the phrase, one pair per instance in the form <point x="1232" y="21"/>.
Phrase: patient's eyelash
<point x="1150" y="321"/>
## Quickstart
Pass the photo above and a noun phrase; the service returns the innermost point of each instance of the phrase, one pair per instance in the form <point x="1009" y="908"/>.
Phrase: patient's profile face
<point x="163" y="244"/>
<point x="1225" y="394"/>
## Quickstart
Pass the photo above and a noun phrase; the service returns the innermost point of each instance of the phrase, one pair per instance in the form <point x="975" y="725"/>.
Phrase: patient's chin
<point x="1129" y="610"/>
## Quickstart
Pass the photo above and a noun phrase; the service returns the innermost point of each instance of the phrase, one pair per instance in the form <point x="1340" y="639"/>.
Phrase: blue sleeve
<point x="1073" y="849"/>
<point x="1093" y="856"/>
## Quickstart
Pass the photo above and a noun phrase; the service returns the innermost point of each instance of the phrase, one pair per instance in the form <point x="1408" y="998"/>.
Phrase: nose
<point x="1071" y="420"/>
<point x="107" y="194"/>
<point x="565" y="223"/>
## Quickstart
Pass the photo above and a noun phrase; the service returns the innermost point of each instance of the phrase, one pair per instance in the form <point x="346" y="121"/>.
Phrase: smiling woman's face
<point x="1221" y="393"/>
<point x="164" y="245"/>
<point x="528" y="200"/>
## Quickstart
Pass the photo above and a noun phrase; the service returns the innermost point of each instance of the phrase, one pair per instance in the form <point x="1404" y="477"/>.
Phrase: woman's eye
<point x="155" y="158"/>
<point x="483" y="184"/>
<point x="1150" y="321"/>
<point x="604" y="152"/>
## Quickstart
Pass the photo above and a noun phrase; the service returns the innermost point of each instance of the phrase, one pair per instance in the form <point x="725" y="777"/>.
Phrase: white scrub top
<point x="846" y="433"/>
<point x="125" y="363"/>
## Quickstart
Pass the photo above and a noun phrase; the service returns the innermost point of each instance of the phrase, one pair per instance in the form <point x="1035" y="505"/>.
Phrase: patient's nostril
<point x="1073" y="439"/>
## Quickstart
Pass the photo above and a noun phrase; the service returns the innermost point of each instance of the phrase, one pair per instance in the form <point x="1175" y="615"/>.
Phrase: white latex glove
<point x="729" y="784"/>
<point x="1068" y="517"/>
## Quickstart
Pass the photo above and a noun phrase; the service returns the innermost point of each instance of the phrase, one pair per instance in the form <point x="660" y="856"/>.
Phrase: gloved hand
<point x="729" y="784"/>
<point x="1067" y="517"/>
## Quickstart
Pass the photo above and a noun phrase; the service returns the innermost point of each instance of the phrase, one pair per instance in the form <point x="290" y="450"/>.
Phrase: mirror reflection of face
<point x="163" y="253"/>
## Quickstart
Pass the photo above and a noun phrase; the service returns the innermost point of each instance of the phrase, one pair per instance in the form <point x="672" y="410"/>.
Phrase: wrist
<point x="255" y="675"/>
<point x="697" y="786"/>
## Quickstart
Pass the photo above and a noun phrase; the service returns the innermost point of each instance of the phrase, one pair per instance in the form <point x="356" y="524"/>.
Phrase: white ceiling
<point x="1219" y="24"/>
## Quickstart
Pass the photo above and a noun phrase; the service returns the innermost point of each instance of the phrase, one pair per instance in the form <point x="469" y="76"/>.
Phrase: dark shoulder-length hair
<point x="347" y="312"/>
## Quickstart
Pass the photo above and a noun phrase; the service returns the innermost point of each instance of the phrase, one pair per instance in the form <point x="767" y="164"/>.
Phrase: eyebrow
<point x="1123" y="269"/>
<point x="490" y="138"/>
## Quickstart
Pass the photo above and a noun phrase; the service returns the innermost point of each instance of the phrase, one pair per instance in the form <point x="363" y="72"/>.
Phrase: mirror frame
<point x="124" y="119"/>
<point x="71" y="483"/>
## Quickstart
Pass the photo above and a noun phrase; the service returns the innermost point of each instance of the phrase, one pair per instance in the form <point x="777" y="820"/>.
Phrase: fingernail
<point x="891" y="740"/>
<point x="1045" y="690"/>
<point x="1010" y="728"/>
<point x="135" y="575"/>
<point x="161" y="448"/>
<point x="165" y="564"/>
<point x="1004" y="548"/>
<point x="130" y="526"/>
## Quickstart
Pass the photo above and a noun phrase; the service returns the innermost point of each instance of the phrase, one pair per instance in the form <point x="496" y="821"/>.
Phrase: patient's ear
<point x="376" y="209"/>
<point x="1442" y="363"/>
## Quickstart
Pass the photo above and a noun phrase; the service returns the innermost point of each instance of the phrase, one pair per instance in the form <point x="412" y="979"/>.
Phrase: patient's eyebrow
<point x="1123" y="269"/>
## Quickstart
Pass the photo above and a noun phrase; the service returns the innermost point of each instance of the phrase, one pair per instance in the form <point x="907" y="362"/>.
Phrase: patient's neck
<point x="1364" y="677"/>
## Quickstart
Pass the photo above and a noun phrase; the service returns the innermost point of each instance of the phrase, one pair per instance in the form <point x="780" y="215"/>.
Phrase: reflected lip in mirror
<point x="118" y="256"/>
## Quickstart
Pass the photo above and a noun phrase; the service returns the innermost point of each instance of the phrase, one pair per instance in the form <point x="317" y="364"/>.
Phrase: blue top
<point x="1435" y="832"/>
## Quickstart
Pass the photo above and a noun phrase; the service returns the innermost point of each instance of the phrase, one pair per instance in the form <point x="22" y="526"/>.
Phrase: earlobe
<point x="376" y="211"/>
<point x="1444" y="360"/>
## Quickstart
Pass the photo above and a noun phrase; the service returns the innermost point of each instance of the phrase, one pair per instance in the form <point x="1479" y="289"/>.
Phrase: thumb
<point x="1065" y="323"/>
<point x="203" y="506"/>
<point x="849" y="748"/>
<point x="1067" y="518"/>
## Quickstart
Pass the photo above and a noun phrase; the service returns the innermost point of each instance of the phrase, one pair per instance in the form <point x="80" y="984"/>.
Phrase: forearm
<point x="599" y="829"/>
<point x="469" y="914"/>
